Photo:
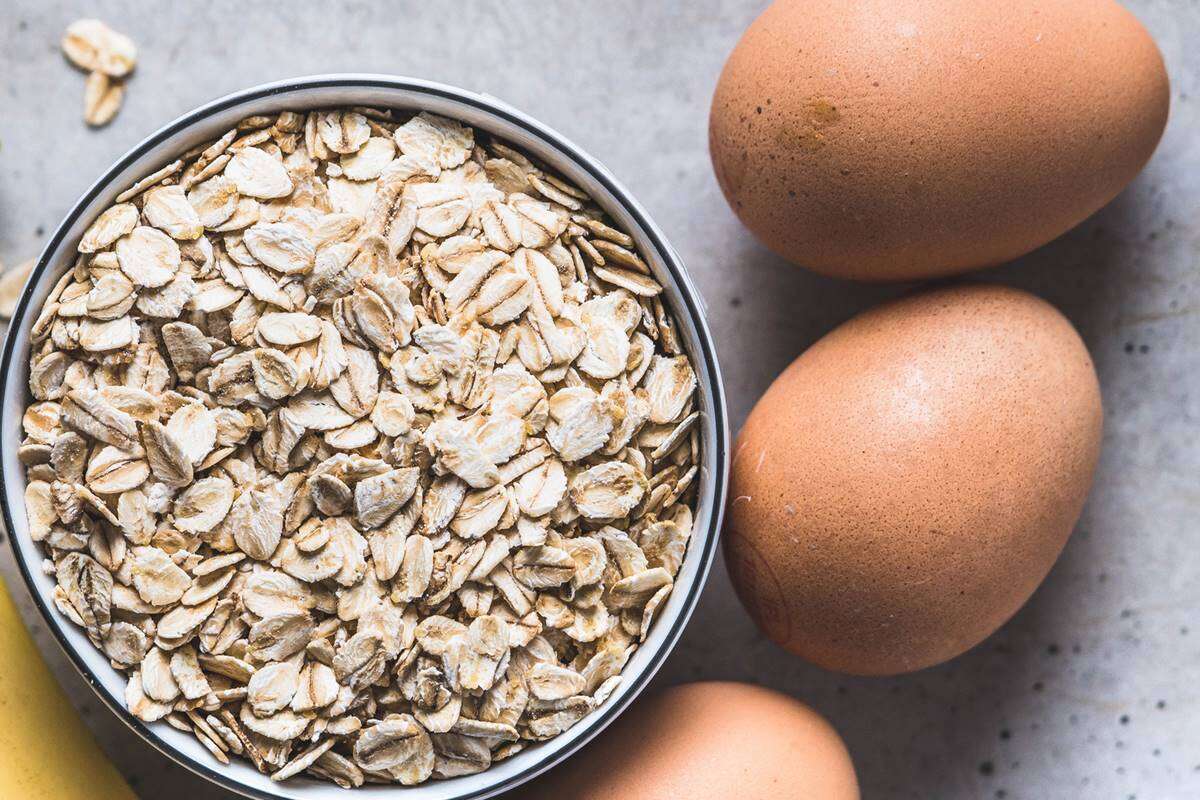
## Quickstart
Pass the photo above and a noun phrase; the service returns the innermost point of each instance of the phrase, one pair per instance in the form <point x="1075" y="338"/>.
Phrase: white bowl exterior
<point x="529" y="136"/>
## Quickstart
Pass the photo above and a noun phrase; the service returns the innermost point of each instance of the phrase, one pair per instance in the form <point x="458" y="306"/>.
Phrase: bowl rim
<point x="608" y="712"/>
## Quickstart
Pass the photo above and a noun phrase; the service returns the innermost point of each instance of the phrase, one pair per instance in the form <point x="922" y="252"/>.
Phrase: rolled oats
<point x="12" y="281"/>
<point x="102" y="97"/>
<point x="360" y="442"/>
<point x="108" y="57"/>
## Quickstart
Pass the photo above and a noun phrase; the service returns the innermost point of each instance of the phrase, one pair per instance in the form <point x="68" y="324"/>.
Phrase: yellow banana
<point x="48" y="754"/>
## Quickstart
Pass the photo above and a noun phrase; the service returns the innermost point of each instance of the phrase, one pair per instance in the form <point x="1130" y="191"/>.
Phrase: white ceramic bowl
<point x="528" y="135"/>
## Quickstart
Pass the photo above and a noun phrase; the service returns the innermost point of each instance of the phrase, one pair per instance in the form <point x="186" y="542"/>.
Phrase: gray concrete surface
<point x="1091" y="691"/>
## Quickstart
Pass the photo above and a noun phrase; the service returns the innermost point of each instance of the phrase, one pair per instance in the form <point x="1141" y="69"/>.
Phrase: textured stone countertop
<point x="1091" y="690"/>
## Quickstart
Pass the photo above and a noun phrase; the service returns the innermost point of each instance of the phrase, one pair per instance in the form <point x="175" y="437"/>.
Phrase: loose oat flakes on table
<point x="362" y="445"/>
<point x="12" y="281"/>
<point x="108" y="58"/>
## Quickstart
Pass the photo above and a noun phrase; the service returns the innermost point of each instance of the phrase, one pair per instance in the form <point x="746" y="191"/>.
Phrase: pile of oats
<point x="108" y="58"/>
<point x="362" y="444"/>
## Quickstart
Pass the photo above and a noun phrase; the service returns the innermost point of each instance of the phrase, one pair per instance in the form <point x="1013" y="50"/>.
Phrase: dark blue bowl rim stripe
<point x="609" y="711"/>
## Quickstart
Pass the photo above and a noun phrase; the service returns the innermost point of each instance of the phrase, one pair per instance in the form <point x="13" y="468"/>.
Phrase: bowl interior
<point x="527" y="135"/>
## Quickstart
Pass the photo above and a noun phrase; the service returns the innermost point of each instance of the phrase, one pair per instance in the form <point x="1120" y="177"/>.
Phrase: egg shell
<point x="905" y="485"/>
<point x="887" y="140"/>
<point x="709" y="741"/>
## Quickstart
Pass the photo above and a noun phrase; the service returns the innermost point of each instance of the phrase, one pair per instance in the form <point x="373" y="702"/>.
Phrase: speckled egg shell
<point x="709" y="741"/>
<point x="905" y="485"/>
<point x="901" y="139"/>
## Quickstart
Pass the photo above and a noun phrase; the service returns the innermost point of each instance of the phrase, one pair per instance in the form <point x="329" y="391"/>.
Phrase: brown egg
<point x="709" y="741"/>
<point x="901" y="139"/>
<point x="904" y="486"/>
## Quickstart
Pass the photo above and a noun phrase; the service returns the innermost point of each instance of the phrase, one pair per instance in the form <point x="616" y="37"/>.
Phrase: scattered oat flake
<point x="12" y="281"/>
<point x="102" y="97"/>
<point x="93" y="46"/>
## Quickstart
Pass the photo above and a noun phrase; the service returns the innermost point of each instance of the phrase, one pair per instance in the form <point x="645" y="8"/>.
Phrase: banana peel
<point x="48" y="753"/>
